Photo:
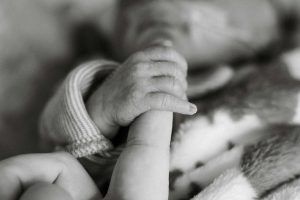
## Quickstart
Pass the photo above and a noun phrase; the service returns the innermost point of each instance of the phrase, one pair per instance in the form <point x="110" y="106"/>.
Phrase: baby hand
<point x="153" y="79"/>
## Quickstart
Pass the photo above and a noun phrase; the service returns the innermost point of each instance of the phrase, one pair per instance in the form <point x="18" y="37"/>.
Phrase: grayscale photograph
<point x="149" y="99"/>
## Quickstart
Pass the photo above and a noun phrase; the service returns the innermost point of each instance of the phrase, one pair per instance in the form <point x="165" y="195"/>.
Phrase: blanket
<point x="244" y="142"/>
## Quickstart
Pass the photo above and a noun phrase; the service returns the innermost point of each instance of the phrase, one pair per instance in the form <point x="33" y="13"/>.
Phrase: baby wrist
<point x="66" y="116"/>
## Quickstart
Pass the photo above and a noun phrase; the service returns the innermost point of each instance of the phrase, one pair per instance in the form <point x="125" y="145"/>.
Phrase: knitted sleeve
<point x="65" y="122"/>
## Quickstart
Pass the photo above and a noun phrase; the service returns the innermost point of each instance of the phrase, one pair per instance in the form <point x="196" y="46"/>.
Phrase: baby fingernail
<point x="162" y="42"/>
<point x="167" y="43"/>
<point x="193" y="108"/>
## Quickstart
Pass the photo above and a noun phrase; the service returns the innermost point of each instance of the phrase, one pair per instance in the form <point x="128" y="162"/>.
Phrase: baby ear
<point x="292" y="60"/>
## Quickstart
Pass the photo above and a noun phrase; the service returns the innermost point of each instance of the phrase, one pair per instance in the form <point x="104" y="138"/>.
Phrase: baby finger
<point x="169" y="85"/>
<point x="164" y="68"/>
<point x="167" y="102"/>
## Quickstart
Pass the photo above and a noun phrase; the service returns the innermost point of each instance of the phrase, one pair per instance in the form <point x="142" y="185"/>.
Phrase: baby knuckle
<point x="177" y="72"/>
<point x="135" y="94"/>
<point x="148" y="66"/>
<point x="164" y="101"/>
<point x="138" y="69"/>
<point x="173" y="84"/>
<point x="159" y="50"/>
<point x="178" y="88"/>
<point x="168" y="51"/>
<point x="135" y="91"/>
<point x="135" y="68"/>
<point x="139" y="56"/>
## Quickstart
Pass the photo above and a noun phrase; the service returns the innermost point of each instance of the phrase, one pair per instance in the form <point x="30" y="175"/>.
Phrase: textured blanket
<point x="245" y="141"/>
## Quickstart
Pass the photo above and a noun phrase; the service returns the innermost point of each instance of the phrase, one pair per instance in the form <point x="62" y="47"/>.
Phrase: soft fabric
<point x="258" y="139"/>
<point x="67" y="121"/>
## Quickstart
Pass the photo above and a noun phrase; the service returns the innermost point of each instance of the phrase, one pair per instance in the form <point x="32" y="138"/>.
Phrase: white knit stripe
<point x="79" y="111"/>
<point x="66" y="125"/>
<point x="89" y="129"/>
<point x="74" y="93"/>
<point x="71" y="115"/>
<point x="83" y="73"/>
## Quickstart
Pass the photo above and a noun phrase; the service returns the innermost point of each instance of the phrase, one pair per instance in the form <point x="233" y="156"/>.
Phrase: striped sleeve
<point x="66" y="123"/>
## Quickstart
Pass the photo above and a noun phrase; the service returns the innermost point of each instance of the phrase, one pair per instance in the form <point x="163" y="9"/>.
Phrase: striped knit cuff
<point x="66" y="120"/>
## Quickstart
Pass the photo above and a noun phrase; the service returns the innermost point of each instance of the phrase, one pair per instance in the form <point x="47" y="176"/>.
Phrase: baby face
<point x="204" y="32"/>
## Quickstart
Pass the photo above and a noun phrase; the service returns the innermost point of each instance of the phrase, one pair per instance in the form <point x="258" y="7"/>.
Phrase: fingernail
<point x="162" y="42"/>
<point x="167" y="43"/>
<point x="193" y="109"/>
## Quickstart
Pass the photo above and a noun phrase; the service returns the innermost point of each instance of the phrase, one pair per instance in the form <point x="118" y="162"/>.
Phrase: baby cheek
<point x="45" y="191"/>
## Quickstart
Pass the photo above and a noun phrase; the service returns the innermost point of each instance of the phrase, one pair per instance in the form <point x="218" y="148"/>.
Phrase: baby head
<point x="204" y="32"/>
